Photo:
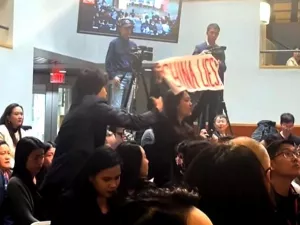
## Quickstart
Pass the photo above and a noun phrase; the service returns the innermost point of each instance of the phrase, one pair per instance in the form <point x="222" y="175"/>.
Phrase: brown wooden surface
<point x="247" y="129"/>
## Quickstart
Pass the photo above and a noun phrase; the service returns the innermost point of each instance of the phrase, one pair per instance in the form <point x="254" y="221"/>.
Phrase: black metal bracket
<point x="4" y="27"/>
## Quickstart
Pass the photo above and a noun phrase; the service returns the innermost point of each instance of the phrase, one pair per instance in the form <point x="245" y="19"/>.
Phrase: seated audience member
<point x="84" y="129"/>
<point x="5" y="174"/>
<point x="285" y="167"/>
<point x="268" y="141"/>
<point x="295" y="59"/>
<point x="11" y="130"/>
<point x="232" y="183"/>
<point x="90" y="200"/>
<point x="134" y="169"/>
<point x="23" y="197"/>
<point x="169" y="133"/>
<point x="221" y="125"/>
<point x="163" y="207"/>
<point x="287" y="121"/>
<point x="49" y="154"/>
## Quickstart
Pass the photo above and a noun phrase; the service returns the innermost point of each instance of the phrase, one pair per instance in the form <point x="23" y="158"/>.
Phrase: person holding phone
<point x="118" y="63"/>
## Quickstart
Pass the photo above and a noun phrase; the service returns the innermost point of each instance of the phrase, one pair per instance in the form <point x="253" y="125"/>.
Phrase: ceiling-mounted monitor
<point x="156" y="20"/>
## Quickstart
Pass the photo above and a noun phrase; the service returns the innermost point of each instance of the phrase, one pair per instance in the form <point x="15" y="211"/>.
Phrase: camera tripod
<point x="206" y="100"/>
<point x="129" y="100"/>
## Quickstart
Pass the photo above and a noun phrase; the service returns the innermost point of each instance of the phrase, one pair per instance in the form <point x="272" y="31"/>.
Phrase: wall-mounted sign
<point x="57" y="78"/>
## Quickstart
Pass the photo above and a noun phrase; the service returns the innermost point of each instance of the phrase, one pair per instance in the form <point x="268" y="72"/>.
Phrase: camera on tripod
<point x="217" y="52"/>
<point x="142" y="53"/>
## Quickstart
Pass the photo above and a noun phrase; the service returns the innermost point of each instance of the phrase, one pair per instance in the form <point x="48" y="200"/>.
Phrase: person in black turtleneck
<point x="118" y="62"/>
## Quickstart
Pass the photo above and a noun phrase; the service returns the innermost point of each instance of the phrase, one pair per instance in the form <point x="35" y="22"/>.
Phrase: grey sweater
<point x="21" y="202"/>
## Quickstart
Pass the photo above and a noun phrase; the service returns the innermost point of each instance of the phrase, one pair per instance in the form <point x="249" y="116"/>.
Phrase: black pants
<point x="213" y="100"/>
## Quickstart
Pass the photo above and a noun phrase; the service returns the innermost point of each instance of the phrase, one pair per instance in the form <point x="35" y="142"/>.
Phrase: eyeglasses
<point x="289" y="154"/>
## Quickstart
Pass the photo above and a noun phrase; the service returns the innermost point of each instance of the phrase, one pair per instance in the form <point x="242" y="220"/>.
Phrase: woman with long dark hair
<point x="91" y="199"/>
<point x="170" y="132"/>
<point x="134" y="169"/>
<point x="233" y="185"/>
<point x="23" y="197"/>
<point x="11" y="123"/>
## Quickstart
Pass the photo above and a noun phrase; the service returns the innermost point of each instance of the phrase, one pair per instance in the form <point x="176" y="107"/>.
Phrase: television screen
<point x="156" y="20"/>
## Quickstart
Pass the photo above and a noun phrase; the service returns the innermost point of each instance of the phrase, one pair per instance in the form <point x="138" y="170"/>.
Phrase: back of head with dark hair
<point x="49" y="145"/>
<point x="213" y="26"/>
<point x="271" y="138"/>
<point x="190" y="149"/>
<point x="4" y="120"/>
<point x="171" y="102"/>
<point x="158" y="207"/>
<point x="287" y="118"/>
<point x="131" y="156"/>
<point x="89" y="82"/>
<point x="231" y="181"/>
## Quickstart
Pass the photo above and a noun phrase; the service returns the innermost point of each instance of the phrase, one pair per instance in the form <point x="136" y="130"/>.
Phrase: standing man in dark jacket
<point x="118" y="62"/>
<point x="212" y="98"/>
<point x="84" y="129"/>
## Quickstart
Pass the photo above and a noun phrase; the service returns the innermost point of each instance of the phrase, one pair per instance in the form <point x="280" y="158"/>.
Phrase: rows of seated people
<point x="174" y="176"/>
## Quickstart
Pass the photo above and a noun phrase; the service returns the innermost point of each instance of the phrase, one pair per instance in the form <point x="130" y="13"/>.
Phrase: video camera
<point x="217" y="52"/>
<point x="142" y="53"/>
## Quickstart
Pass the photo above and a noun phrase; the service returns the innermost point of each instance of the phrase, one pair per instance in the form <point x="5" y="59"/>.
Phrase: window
<point x="6" y="22"/>
<point x="280" y="39"/>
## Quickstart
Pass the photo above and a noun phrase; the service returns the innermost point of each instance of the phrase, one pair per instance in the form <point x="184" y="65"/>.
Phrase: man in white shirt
<point x="294" y="60"/>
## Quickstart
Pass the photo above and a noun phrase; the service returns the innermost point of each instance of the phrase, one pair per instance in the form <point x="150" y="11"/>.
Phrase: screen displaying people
<point x="153" y="19"/>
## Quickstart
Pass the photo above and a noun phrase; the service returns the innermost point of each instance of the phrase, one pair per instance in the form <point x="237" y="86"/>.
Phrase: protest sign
<point x="191" y="73"/>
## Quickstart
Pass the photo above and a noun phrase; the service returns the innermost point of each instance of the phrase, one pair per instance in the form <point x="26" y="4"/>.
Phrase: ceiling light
<point x="265" y="12"/>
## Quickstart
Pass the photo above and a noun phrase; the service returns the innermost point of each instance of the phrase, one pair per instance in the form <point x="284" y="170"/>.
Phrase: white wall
<point x="251" y="93"/>
<point x="17" y="64"/>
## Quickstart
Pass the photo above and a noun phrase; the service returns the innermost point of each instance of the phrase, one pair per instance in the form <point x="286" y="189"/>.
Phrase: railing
<point x="278" y="58"/>
<point x="276" y="51"/>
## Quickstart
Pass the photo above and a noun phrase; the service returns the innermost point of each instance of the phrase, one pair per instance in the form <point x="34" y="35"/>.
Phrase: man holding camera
<point x="213" y="99"/>
<point x="118" y="63"/>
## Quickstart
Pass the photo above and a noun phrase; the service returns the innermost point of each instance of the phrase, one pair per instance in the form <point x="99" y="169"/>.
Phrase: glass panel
<point x="38" y="115"/>
<point x="64" y="103"/>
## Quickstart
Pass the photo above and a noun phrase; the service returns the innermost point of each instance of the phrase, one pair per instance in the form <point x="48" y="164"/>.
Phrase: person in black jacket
<point x="175" y="128"/>
<point x="84" y="129"/>
<point x="24" y="200"/>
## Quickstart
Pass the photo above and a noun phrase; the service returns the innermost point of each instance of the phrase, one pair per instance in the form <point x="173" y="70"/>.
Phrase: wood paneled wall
<point x="240" y="129"/>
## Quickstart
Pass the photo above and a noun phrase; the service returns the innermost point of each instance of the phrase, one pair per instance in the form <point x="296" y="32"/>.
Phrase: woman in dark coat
<point x="24" y="200"/>
<point x="84" y="129"/>
<point x="175" y="128"/>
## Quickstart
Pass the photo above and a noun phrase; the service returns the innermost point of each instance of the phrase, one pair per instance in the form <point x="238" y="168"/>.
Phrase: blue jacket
<point x="118" y="59"/>
<point x="200" y="48"/>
